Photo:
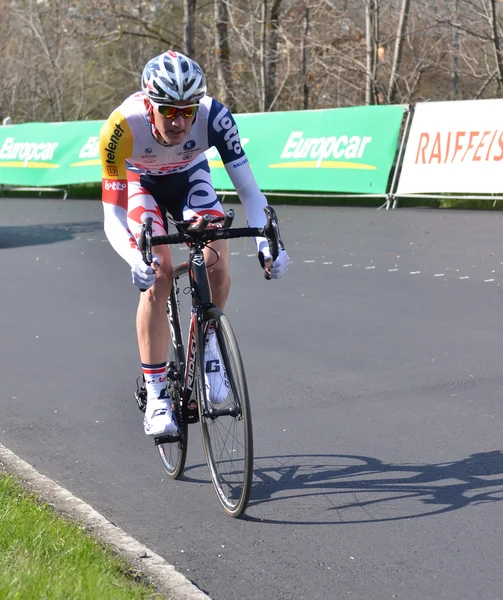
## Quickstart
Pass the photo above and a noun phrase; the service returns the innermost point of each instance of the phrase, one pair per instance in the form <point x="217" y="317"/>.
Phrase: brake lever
<point x="145" y="241"/>
<point x="272" y="233"/>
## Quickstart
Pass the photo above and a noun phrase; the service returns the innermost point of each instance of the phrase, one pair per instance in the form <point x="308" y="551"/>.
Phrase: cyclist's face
<point x="173" y="130"/>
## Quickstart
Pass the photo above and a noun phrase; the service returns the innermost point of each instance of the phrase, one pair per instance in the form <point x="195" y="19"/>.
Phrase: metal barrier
<point x="15" y="188"/>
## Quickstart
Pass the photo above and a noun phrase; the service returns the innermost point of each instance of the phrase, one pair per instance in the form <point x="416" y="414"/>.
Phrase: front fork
<point x="189" y="403"/>
<point x="201" y="299"/>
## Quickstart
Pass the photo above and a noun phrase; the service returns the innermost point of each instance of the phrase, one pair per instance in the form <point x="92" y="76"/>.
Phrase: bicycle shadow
<point x="360" y="489"/>
<point x="35" y="235"/>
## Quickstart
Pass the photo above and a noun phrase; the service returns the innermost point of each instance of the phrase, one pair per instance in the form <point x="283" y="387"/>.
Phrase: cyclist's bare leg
<point x="152" y="326"/>
<point x="218" y="271"/>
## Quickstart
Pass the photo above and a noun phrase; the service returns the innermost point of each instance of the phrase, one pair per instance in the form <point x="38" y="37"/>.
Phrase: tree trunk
<point x="305" y="85"/>
<point x="371" y="23"/>
<point x="456" y="49"/>
<point x="189" y="18"/>
<point x="222" y="50"/>
<point x="497" y="41"/>
<point x="263" y="56"/>
<point x="272" y="55"/>
<point x="397" y="56"/>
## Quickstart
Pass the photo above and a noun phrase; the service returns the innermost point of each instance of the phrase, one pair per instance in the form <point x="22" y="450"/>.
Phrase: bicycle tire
<point x="227" y="427"/>
<point x="174" y="454"/>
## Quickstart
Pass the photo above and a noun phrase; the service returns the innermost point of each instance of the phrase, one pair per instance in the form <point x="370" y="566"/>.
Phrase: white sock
<point x="155" y="380"/>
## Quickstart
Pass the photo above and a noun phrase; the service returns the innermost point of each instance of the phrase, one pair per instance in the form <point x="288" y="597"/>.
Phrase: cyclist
<point x="152" y="154"/>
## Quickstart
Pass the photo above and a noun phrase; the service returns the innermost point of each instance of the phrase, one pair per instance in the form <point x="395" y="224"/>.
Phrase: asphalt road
<point x="375" y="373"/>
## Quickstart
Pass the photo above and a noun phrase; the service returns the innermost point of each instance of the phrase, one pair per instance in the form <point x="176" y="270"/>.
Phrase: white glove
<point x="143" y="274"/>
<point x="280" y="266"/>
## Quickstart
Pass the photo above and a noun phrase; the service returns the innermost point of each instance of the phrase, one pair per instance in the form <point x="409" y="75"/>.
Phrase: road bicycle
<point x="226" y="427"/>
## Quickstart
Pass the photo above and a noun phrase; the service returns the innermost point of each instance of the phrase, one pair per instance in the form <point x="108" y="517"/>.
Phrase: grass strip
<point x="45" y="556"/>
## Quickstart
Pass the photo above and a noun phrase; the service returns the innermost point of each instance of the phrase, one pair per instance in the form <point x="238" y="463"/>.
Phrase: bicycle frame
<point x="201" y="300"/>
<point x="227" y="443"/>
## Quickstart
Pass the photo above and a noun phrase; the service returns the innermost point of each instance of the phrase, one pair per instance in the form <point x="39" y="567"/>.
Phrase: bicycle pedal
<point x="167" y="439"/>
<point x="141" y="396"/>
<point x="141" y="401"/>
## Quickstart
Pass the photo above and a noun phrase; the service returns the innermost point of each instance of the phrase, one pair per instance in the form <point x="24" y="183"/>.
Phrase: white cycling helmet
<point x="171" y="77"/>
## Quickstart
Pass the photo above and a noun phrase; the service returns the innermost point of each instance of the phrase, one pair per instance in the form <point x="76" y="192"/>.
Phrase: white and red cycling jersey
<point x="141" y="176"/>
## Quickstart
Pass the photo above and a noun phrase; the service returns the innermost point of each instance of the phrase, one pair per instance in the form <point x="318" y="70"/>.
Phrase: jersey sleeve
<point x="245" y="184"/>
<point x="224" y="135"/>
<point x="116" y="146"/>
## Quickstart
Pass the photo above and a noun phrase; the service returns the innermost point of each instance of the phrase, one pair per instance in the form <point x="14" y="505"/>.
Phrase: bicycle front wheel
<point x="227" y="425"/>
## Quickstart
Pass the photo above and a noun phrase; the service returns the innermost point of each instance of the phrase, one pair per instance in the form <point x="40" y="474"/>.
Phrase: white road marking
<point x="371" y="267"/>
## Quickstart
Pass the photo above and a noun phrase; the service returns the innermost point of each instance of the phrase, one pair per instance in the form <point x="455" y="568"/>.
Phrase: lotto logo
<point x="116" y="186"/>
<point x="224" y="122"/>
<point x="112" y="171"/>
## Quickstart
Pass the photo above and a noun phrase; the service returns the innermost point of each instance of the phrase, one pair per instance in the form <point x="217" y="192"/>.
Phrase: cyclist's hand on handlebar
<point x="275" y="269"/>
<point x="144" y="275"/>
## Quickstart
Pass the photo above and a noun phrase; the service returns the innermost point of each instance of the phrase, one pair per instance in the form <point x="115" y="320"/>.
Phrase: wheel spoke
<point x="227" y="429"/>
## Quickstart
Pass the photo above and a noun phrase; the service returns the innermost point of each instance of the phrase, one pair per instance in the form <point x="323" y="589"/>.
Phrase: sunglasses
<point x="171" y="111"/>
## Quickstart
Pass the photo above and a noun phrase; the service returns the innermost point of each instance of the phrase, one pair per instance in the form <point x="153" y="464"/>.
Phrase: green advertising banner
<point x="50" y="154"/>
<point x="335" y="150"/>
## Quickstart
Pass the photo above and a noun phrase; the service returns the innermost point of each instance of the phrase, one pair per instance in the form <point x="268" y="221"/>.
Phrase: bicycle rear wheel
<point x="227" y="427"/>
<point x="174" y="454"/>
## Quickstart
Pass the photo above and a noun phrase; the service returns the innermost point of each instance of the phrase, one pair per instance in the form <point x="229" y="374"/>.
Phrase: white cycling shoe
<point x="158" y="420"/>
<point x="215" y="376"/>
